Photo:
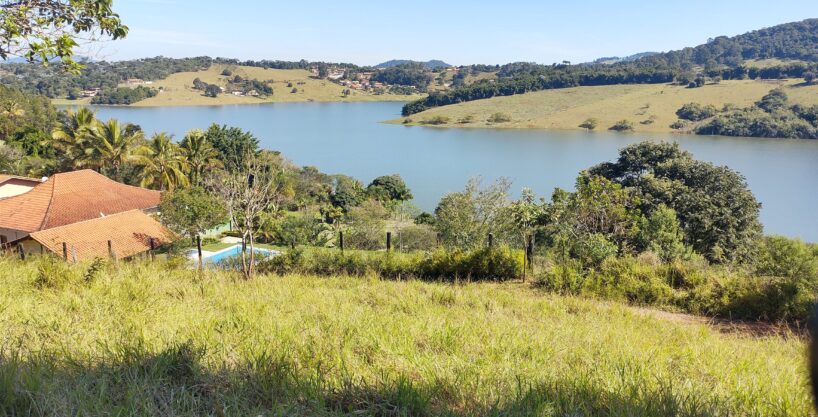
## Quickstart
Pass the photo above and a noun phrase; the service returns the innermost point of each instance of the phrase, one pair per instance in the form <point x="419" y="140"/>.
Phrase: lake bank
<point x="348" y="138"/>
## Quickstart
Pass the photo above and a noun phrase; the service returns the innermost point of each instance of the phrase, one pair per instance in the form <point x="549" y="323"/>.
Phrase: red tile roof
<point x="72" y="197"/>
<point x="5" y="178"/>
<point x="129" y="232"/>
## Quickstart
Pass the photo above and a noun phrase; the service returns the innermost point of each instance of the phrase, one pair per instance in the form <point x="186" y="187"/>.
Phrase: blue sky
<point x="456" y="31"/>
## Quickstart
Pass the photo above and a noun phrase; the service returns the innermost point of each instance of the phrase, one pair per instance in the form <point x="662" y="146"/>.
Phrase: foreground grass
<point x="149" y="340"/>
<point x="654" y="104"/>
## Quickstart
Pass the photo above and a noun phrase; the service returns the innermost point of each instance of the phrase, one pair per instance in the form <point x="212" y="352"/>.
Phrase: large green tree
<point x="48" y="30"/>
<point x="163" y="165"/>
<point x="716" y="209"/>
<point x="112" y="146"/>
<point x="233" y="144"/>
<point x="200" y="155"/>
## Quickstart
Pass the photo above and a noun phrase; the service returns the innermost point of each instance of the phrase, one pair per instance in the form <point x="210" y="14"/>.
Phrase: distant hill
<point x="433" y="64"/>
<point x="617" y="59"/>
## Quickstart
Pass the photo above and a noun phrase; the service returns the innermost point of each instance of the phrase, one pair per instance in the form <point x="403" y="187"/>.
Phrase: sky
<point x="456" y="31"/>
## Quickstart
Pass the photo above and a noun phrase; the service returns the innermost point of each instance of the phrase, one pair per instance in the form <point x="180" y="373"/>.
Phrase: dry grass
<point x="568" y="108"/>
<point x="152" y="340"/>
<point x="178" y="89"/>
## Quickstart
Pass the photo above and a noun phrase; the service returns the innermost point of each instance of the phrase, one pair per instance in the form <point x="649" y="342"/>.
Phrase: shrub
<point x="678" y="125"/>
<point x="466" y="120"/>
<point x="696" y="112"/>
<point x="417" y="237"/>
<point x="622" y="126"/>
<point x="589" y="124"/>
<point x="437" y="120"/>
<point x="499" y="118"/>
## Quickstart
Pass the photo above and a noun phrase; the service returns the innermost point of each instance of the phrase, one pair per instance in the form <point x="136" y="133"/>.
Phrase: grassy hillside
<point x="149" y="340"/>
<point x="568" y="108"/>
<point x="178" y="89"/>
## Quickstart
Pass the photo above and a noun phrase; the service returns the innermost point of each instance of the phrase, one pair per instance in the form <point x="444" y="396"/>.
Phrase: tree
<point x="809" y="77"/>
<point x="212" y="90"/>
<point x="251" y="190"/>
<point x="589" y="124"/>
<point x="233" y="144"/>
<point x="465" y="219"/>
<point x="163" y="165"/>
<point x="191" y="211"/>
<point x="775" y="100"/>
<point x="526" y="215"/>
<point x="347" y="192"/>
<point x="323" y="70"/>
<point x="717" y="211"/>
<point x="113" y="146"/>
<point x="662" y="234"/>
<point x="200" y="155"/>
<point x="45" y="30"/>
<point x="72" y="136"/>
<point x="389" y="188"/>
<point x="622" y="126"/>
<point x="696" y="112"/>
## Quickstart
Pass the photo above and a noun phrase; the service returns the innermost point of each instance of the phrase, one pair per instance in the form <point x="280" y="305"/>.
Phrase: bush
<point x="417" y="237"/>
<point x="696" y="112"/>
<point x="589" y="124"/>
<point x="437" y="120"/>
<point x="622" y="126"/>
<point x="499" y="118"/>
<point x="678" y="125"/>
<point x="499" y="264"/>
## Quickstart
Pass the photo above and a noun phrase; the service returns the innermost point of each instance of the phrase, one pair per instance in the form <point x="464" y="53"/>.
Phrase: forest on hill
<point x="723" y="58"/>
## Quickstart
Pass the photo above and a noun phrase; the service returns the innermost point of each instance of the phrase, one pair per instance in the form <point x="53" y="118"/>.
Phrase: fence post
<point x="388" y="241"/>
<point x="65" y="251"/>
<point x="111" y="250"/>
<point x="199" y="250"/>
<point x="341" y="240"/>
<point x="153" y="248"/>
<point x="491" y="240"/>
<point x="530" y="253"/>
<point x="22" y="251"/>
<point x="74" y="253"/>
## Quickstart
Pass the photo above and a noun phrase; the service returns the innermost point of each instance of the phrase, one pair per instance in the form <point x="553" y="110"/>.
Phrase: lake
<point x="348" y="138"/>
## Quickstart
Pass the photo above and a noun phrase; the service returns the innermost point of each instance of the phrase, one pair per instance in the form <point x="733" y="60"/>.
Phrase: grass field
<point x="654" y="104"/>
<point x="149" y="340"/>
<point x="178" y="89"/>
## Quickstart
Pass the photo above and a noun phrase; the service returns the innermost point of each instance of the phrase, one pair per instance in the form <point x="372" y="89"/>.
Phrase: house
<point x="91" y="93"/>
<point x="134" y="81"/>
<point x="77" y="207"/>
<point x="253" y="93"/>
<point x="12" y="185"/>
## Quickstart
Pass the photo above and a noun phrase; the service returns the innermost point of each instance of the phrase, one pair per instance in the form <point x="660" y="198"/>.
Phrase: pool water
<point x="225" y="255"/>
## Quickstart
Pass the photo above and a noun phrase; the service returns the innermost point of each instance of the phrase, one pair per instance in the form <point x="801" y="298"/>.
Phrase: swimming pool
<point x="225" y="256"/>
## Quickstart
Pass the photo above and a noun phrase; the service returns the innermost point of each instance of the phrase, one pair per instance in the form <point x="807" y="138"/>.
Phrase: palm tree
<point x="72" y="137"/>
<point x="200" y="155"/>
<point x="163" y="165"/>
<point x="114" y="145"/>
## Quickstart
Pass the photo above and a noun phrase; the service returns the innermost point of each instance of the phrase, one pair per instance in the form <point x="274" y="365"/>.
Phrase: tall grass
<point x="147" y="339"/>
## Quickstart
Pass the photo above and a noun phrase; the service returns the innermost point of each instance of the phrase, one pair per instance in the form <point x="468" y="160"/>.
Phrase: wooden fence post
<point x="111" y="250"/>
<point x="491" y="240"/>
<point x="388" y="241"/>
<point x="153" y="248"/>
<point x="199" y="250"/>
<point x="22" y="251"/>
<point x="65" y="251"/>
<point x="530" y="253"/>
<point x="341" y="240"/>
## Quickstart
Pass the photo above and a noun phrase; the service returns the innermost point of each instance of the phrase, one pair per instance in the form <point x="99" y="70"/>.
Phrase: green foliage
<point x="499" y="118"/>
<point x="589" y="124"/>
<point x="789" y="258"/>
<point x="696" y="112"/>
<point x="465" y="219"/>
<point x="389" y="188"/>
<point x="347" y="192"/>
<point x="50" y="30"/>
<point x="233" y="144"/>
<point x="662" y="234"/>
<point x="409" y="74"/>
<point x="718" y="212"/>
<point x="124" y="95"/>
<point x="436" y="120"/>
<point x="191" y="211"/>
<point x="770" y="117"/>
<point x="622" y="126"/>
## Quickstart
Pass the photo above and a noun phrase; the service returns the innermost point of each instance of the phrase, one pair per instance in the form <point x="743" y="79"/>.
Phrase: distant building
<point x="253" y="93"/>
<point x="134" y="81"/>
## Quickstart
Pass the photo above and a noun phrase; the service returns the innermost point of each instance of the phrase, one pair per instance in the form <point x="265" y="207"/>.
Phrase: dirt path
<point x="749" y="328"/>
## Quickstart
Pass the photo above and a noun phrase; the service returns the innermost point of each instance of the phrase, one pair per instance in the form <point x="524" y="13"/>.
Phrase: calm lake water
<point x="348" y="138"/>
